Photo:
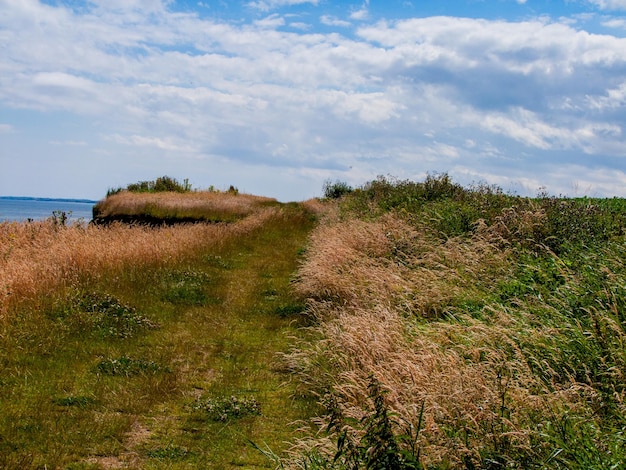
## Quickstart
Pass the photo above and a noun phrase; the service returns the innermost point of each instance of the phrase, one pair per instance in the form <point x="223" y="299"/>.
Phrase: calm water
<point x="37" y="209"/>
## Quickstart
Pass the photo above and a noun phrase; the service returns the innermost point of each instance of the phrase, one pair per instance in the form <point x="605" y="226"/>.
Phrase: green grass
<point x="177" y="364"/>
<point x="553" y="323"/>
<point x="173" y="366"/>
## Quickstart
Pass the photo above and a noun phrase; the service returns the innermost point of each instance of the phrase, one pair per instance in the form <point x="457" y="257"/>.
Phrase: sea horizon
<point x="39" y="198"/>
<point x="32" y="208"/>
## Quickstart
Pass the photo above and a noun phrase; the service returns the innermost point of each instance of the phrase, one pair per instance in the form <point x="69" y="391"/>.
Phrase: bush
<point x="337" y="189"/>
<point x="445" y="207"/>
<point x="494" y="324"/>
<point x="160" y="185"/>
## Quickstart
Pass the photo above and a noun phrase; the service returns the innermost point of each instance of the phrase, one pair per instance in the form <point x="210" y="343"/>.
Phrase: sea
<point x="22" y="209"/>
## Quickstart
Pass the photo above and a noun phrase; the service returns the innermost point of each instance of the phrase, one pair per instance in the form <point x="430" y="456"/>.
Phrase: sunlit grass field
<point x="400" y="325"/>
<point x="204" y="206"/>
<point x="150" y="347"/>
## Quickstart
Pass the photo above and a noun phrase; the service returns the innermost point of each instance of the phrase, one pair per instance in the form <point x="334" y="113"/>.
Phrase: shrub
<point x="227" y="408"/>
<point x="495" y="323"/>
<point x="444" y="206"/>
<point x="101" y="314"/>
<point x="336" y="190"/>
<point x="160" y="185"/>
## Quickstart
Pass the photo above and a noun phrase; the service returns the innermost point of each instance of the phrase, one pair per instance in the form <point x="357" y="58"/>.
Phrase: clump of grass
<point x="290" y="309"/>
<point x="227" y="408"/>
<point x="170" y="452"/>
<point x="103" y="314"/>
<point x="78" y="401"/>
<point x="219" y="262"/>
<point x="37" y="258"/>
<point x="126" y="367"/>
<point x="186" y="287"/>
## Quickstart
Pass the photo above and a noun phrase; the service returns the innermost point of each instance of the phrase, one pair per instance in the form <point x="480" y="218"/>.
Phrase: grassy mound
<point x="156" y="208"/>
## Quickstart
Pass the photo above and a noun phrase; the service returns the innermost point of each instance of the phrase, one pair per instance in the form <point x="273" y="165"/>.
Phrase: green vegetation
<point x="416" y="325"/>
<point x="337" y="189"/>
<point x="467" y="328"/>
<point x="168" y="363"/>
<point x="160" y="185"/>
<point x="227" y="408"/>
<point x="165" y="201"/>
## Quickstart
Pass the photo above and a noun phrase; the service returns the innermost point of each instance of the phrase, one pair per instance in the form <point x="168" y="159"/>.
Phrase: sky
<point x="277" y="97"/>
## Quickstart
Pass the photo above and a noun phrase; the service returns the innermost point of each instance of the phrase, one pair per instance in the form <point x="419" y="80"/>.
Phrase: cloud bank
<point x="278" y="109"/>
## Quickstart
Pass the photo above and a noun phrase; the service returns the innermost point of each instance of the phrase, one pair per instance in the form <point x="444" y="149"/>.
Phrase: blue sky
<point x="277" y="96"/>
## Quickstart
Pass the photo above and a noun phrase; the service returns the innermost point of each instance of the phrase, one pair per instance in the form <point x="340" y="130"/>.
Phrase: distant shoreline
<point x="46" y="199"/>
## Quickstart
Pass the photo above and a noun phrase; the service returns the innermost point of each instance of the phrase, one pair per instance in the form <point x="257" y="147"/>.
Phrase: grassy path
<point x="92" y="382"/>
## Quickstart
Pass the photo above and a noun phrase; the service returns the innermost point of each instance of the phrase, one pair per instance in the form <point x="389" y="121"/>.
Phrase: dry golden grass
<point x="37" y="257"/>
<point x="390" y="263"/>
<point x="378" y="290"/>
<point x="191" y="204"/>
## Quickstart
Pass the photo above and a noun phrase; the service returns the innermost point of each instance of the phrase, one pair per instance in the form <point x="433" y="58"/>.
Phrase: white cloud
<point x="360" y="14"/>
<point x="302" y="26"/>
<point x="401" y="97"/>
<point x="615" y="23"/>
<point x="266" y="5"/>
<point x="524" y="127"/>
<point x="148" y="6"/>
<point x="615" y="98"/>
<point x="168" y="144"/>
<point x="609" y="4"/>
<point x="333" y="21"/>
<point x="61" y="80"/>
<point x="270" y="22"/>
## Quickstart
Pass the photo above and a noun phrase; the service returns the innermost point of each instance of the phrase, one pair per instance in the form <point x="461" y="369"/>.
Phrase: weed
<point x="60" y="218"/>
<point x="269" y="454"/>
<point x="101" y="313"/>
<point x="169" y="452"/>
<point x="227" y="408"/>
<point x="126" y="367"/>
<point x="219" y="262"/>
<point x="78" y="401"/>
<point x="270" y="293"/>
<point x="186" y="288"/>
<point x="290" y="310"/>
<point x="373" y="442"/>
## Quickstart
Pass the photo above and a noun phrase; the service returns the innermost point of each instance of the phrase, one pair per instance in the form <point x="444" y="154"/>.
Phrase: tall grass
<point x="148" y="347"/>
<point x="197" y="205"/>
<point x="159" y="185"/>
<point x="39" y="257"/>
<point x="492" y="341"/>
